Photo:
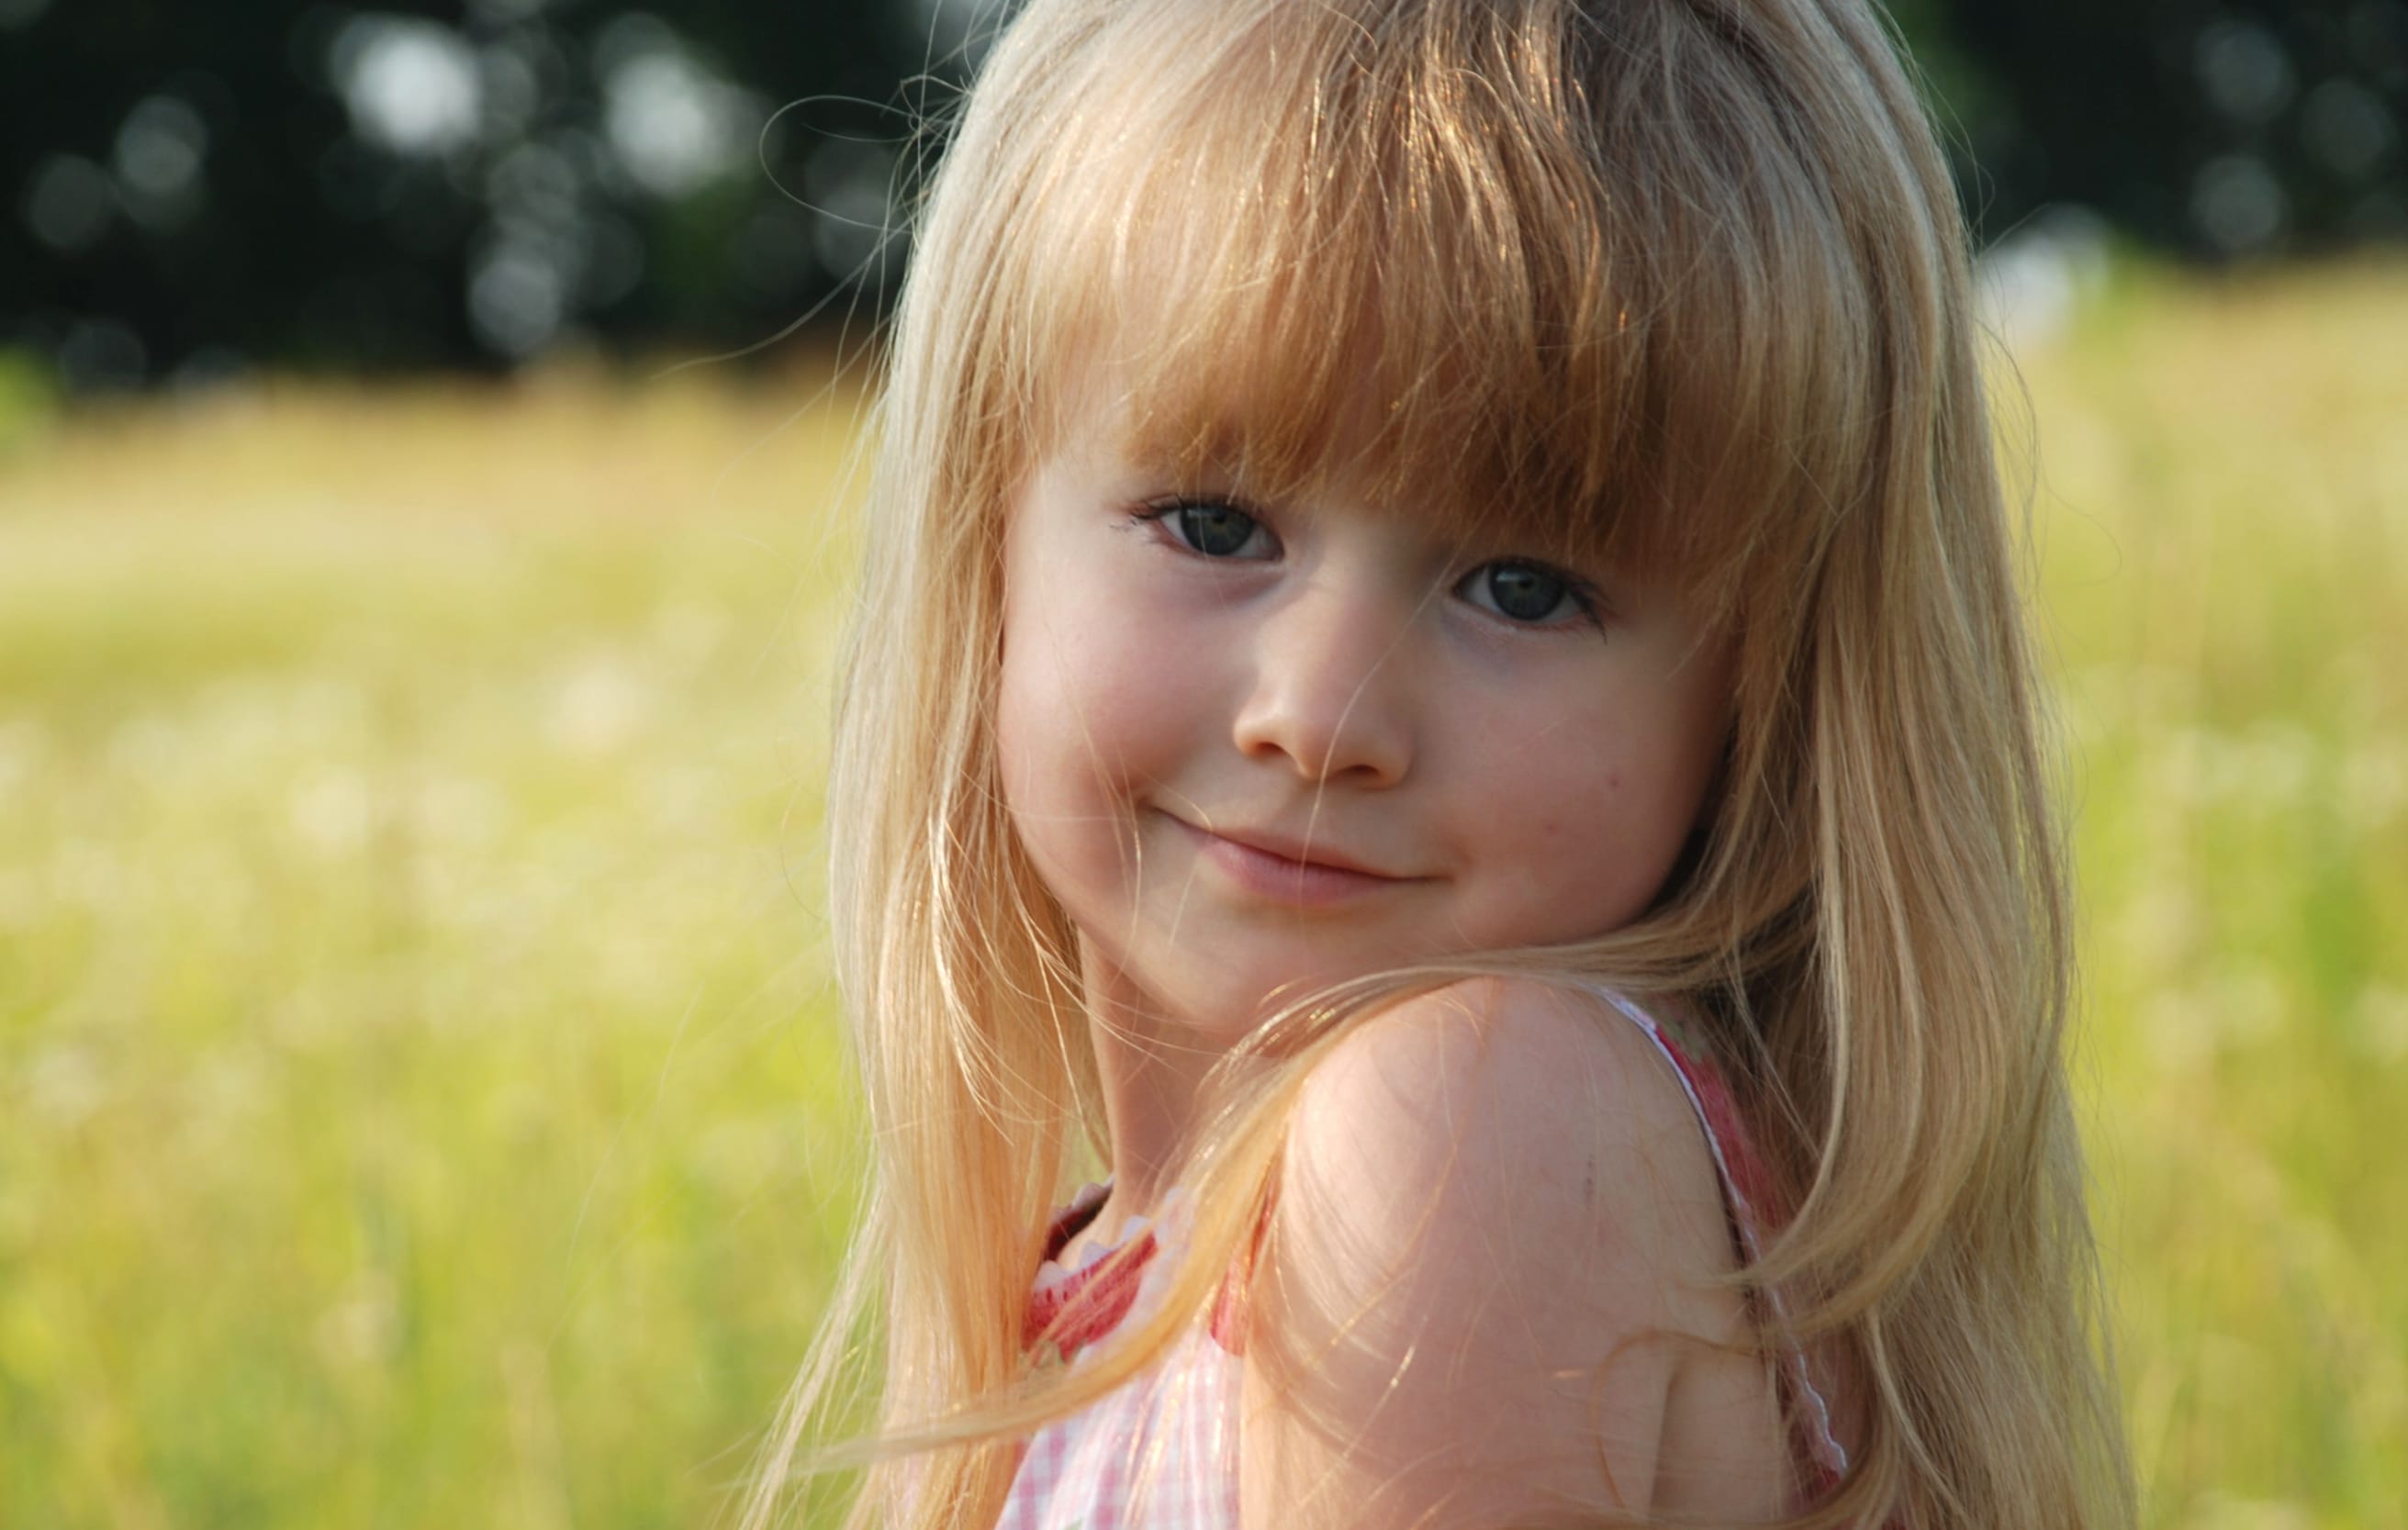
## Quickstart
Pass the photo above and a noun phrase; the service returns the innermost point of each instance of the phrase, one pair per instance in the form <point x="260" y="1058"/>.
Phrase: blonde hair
<point x="1683" y="278"/>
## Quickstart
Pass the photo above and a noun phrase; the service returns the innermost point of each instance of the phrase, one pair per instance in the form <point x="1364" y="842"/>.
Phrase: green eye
<point x="1217" y="531"/>
<point x="1526" y="593"/>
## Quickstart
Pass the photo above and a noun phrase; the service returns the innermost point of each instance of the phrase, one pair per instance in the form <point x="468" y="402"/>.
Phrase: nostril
<point x="1327" y="738"/>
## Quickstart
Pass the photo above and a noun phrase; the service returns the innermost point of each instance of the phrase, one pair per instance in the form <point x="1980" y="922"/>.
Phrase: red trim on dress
<point x="1087" y="1304"/>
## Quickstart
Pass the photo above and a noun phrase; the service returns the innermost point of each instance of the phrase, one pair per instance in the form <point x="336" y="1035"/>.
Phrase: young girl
<point x="1439" y="695"/>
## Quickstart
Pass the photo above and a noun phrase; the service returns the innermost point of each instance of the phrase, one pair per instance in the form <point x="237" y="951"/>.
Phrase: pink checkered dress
<point x="1161" y="1453"/>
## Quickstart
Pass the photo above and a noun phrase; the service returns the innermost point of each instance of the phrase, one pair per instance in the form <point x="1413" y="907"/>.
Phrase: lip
<point x="1276" y="869"/>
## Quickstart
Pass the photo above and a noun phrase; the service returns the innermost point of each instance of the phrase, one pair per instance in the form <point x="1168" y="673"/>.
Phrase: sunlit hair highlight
<point x="1676" y="281"/>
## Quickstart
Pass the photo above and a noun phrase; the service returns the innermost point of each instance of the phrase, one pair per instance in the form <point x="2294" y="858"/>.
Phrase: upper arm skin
<point x="1496" y="1225"/>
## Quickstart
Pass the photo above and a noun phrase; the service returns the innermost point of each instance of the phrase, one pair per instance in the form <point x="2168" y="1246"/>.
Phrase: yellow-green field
<point x="421" y="1103"/>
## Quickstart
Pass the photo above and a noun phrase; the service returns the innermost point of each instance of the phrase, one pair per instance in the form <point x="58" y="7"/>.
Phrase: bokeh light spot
<point x="2347" y="127"/>
<point x="69" y="203"/>
<point x="2244" y="70"/>
<point x="2237" y="204"/>
<point x="411" y="86"/>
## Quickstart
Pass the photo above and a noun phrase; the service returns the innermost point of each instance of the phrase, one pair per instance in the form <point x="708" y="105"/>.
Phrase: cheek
<point x="1596" y="824"/>
<point x="1090" y="717"/>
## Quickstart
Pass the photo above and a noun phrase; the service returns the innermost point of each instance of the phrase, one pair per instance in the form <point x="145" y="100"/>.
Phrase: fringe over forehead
<point x="1592" y="274"/>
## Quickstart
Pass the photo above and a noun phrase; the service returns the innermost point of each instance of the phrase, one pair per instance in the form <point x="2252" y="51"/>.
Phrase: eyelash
<point x="1165" y="510"/>
<point x="1586" y="598"/>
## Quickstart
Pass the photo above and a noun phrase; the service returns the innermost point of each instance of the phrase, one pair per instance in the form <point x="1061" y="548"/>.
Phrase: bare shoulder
<point x="1521" y="1090"/>
<point x="1495" y="1246"/>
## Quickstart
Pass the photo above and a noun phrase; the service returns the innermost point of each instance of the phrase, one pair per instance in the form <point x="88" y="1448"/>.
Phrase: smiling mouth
<point x="1279" y="876"/>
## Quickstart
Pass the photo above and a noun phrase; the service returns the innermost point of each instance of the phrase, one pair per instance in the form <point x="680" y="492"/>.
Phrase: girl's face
<point x="1254" y="749"/>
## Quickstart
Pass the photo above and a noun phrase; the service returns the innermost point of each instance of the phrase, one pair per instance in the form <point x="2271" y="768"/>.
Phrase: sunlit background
<point x="425" y="485"/>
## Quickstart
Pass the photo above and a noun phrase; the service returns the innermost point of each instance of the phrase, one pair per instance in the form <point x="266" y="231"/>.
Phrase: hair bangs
<point x="1384" y="263"/>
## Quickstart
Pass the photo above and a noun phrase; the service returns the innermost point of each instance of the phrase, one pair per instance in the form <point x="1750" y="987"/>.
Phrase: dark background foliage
<point x="189" y="190"/>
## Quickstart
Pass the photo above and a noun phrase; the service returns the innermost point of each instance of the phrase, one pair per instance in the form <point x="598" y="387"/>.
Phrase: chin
<point x="1229" y="1004"/>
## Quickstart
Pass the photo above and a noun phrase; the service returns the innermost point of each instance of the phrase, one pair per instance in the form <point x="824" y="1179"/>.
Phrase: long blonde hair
<point x="1683" y="276"/>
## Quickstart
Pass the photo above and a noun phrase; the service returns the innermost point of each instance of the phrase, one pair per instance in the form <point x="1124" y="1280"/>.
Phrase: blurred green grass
<point x="2222" y="502"/>
<point x="420" y="1101"/>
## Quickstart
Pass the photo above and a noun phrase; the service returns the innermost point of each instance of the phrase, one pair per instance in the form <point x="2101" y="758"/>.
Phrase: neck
<point x="1152" y="1067"/>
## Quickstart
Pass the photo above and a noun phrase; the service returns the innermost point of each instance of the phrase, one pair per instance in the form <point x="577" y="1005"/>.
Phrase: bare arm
<point x="1485" y="1274"/>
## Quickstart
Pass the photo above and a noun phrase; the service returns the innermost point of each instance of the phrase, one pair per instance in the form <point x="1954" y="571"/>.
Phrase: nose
<point x="1333" y="689"/>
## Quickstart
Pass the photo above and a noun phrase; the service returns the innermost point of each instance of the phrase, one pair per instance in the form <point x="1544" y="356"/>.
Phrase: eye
<point x="1211" y="528"/>
<point x="1530" y="593"/>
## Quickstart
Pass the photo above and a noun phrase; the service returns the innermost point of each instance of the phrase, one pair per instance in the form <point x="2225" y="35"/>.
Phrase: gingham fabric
<point x="1162" y="1450"/>
<point x="1161" y="1453"/>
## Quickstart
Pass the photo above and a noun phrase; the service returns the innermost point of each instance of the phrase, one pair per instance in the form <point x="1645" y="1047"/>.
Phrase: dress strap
<point x="1754" y="1203"/>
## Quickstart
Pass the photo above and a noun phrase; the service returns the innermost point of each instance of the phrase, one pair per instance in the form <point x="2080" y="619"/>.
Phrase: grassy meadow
<point x="421" y="1099"/>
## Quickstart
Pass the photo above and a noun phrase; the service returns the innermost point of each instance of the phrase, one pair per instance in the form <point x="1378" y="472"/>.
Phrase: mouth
<point x="1281" y="870"/>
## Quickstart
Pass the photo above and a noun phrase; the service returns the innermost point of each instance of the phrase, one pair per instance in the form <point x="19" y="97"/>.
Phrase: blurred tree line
<point x="192" y="190"/>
